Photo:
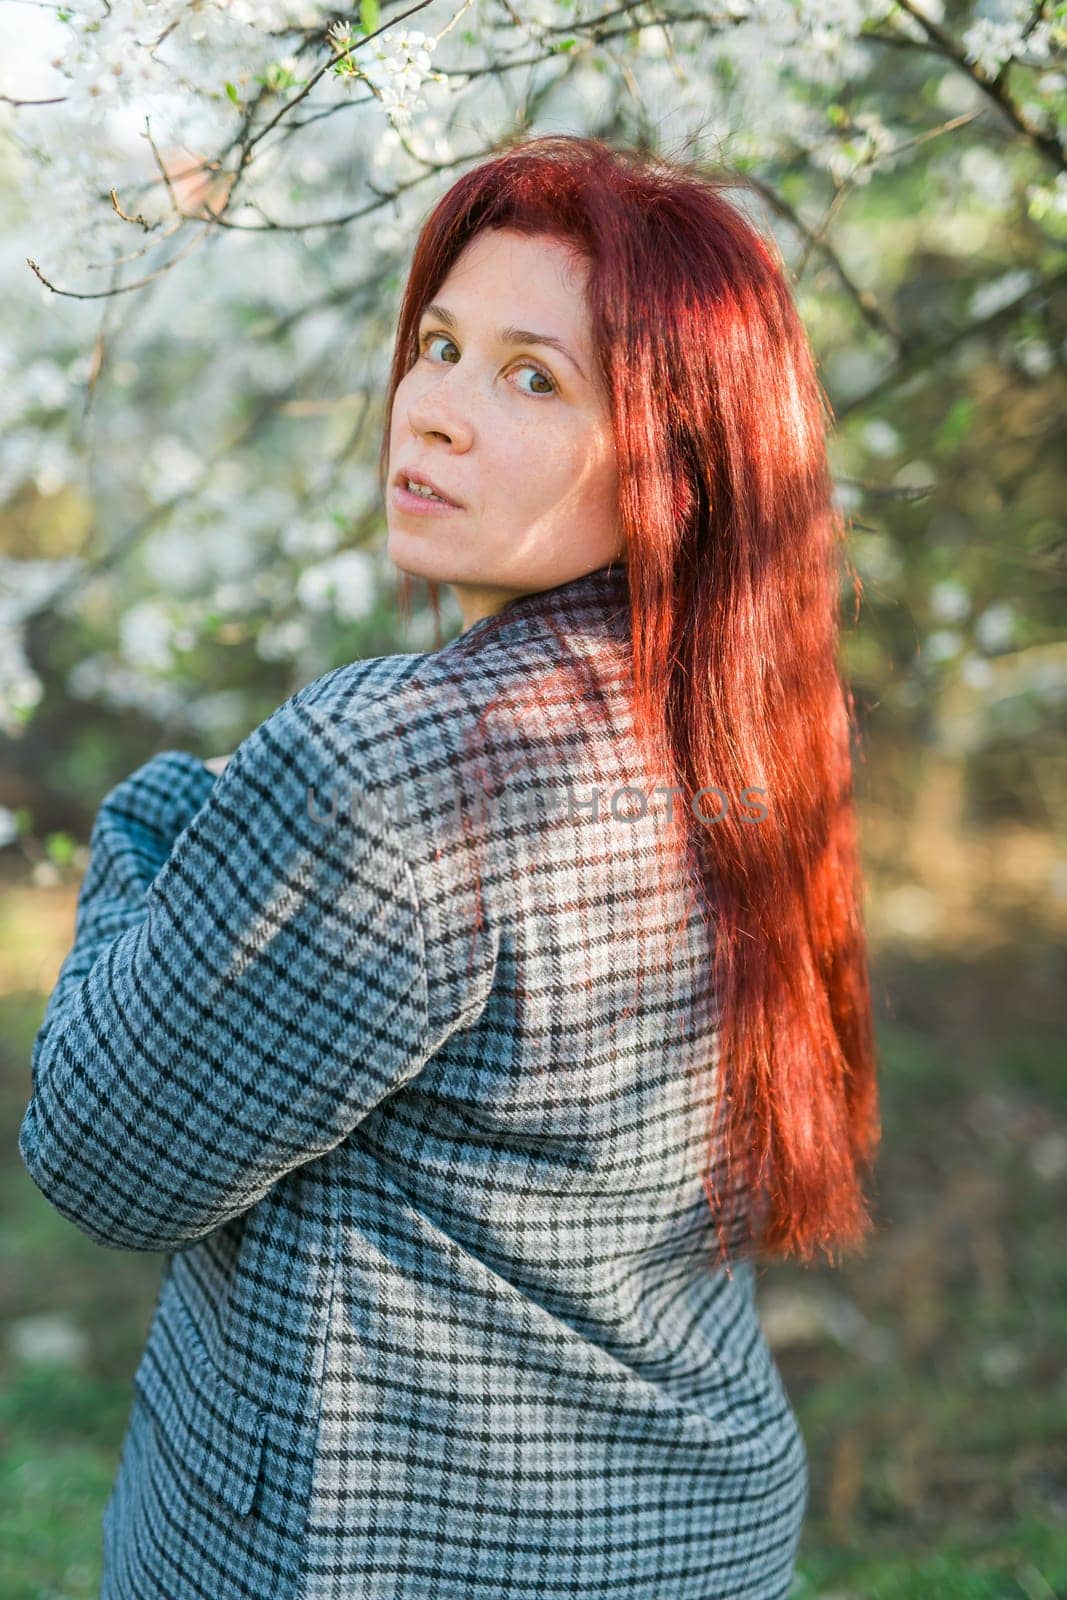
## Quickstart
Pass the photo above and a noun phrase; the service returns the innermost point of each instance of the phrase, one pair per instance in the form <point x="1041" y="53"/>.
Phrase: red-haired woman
<point x="469" y="1036"/>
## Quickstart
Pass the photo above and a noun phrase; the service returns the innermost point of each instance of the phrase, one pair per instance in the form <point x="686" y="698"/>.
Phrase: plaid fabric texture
<point x="393" y="1039"/>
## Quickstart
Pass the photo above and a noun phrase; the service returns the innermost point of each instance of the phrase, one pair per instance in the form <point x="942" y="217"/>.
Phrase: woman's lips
<point x="420" y="505"/>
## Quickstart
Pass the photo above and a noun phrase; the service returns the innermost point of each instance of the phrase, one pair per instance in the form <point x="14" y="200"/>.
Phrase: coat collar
<point x="598" y="597"/>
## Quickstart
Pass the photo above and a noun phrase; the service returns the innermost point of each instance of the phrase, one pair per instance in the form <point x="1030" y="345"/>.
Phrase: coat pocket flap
<point x="214" y="1431"/>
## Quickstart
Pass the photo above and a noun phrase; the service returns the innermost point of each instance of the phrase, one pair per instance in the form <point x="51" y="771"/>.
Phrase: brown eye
<point x="528" y="366"/>
<point x="426" y="338"/>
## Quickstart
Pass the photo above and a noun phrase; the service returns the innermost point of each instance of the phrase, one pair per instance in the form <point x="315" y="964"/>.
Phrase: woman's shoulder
<point x="400" y="710"/>
<point x="430" y="734"/>
<point x="374" y="722"/>
<point x="471" y="662"/>
<point x="420" y="733"/>
<point x="356" y="683"/>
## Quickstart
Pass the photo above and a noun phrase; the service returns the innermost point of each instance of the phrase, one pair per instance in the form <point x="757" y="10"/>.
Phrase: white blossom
<point x="396" y="64"/>
<point x="310" y="536"/>
<point x="345" y="583"/>
<point x="877" y="559"/>
<point x="20" y="687"/>
<point x="280" y="641"/>
<point x="881" y="438"/>
<point x="949" y="601"/>
<point x="246" y="524"/>
<point x="988" y="173"/>
<point x="976" y="672"/>
<point x="116" y="684"/>
<point x="1037" y="358"/>
<point x="9" y="830"/>
<point x="995" y="628"/>
<point x="170" y="468"/>
<point x="27" y="586"/>
<point x="173" y="557"/>
<point x="993" y="40"/>
<point x="216" y="715"/>
<point x="145" y="636"/>
<point x="1048" y="199"/>
<point x="942" y="644"/>
<point x="993" y="296"/>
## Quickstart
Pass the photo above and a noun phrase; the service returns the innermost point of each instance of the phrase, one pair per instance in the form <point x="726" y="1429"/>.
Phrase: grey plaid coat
<point x="387" y="1040"/>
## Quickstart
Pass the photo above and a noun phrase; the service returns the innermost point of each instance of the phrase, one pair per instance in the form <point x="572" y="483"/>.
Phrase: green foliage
<point x="277" y="78"/>
<point x="22" y="818"/>
<point x="60" y="848"/>
<point x="958" y="421"/>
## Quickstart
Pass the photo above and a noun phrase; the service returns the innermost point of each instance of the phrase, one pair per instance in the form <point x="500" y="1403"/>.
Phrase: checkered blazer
<point x="390" y="1040"/>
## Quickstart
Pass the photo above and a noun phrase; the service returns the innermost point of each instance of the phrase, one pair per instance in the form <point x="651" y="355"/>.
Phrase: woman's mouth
<point x="419" y="500"/>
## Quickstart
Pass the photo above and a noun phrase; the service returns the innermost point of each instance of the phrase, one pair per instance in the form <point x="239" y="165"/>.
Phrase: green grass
<point x="57" y="1461"/>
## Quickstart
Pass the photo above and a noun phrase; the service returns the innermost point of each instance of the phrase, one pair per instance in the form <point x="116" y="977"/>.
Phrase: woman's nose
<point x="442" y="410"/>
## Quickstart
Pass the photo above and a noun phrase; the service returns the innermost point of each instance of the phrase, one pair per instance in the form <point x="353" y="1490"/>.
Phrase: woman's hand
<point x="215" y="764"/>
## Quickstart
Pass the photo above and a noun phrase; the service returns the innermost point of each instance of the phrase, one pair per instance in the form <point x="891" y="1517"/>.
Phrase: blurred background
<point x="207" y="212"/>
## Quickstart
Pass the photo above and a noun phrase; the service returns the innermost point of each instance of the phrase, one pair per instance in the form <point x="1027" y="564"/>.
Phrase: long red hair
<point x="733" y="556"/>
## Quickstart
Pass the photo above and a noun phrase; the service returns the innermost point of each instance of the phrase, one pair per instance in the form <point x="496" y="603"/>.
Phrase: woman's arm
<point x="231" y="1009"/>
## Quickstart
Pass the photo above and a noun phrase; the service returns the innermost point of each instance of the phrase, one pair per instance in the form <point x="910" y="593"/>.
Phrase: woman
<point x="464" y="1040"/>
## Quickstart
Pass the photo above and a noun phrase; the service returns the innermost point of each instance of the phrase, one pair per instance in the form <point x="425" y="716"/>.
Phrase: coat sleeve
<point x="247" y="982"/>
<point x="133" y="834"/>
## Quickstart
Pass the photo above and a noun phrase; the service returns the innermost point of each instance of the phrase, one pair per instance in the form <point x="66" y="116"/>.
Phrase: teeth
<point x="421" y="488"/>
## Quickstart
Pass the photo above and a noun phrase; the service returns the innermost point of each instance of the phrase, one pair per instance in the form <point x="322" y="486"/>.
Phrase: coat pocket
<point x="207" y="1425"/>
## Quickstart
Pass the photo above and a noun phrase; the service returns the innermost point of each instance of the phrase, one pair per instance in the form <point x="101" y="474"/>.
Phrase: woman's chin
<point x="420" y="555"/>
<point x="411" y="552"/>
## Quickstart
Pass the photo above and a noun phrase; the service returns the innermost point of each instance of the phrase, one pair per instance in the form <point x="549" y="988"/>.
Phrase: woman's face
<point x="515" y="431"/>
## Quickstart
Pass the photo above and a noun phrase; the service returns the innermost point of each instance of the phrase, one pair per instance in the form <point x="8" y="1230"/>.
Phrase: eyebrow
<point x="505" y="335"/>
